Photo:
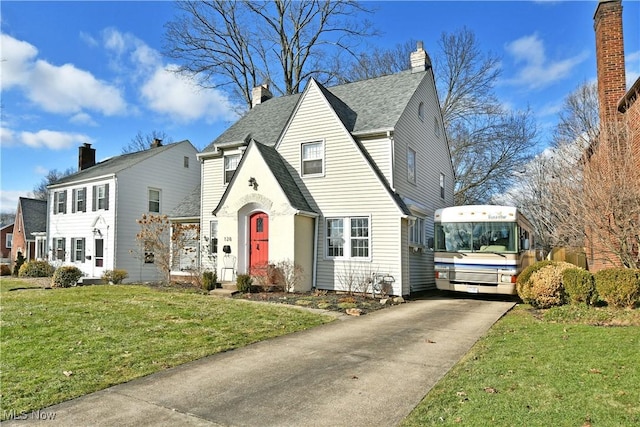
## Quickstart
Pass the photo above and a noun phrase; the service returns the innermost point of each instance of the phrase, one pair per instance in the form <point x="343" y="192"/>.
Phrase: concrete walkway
<point x="359" y="371"/>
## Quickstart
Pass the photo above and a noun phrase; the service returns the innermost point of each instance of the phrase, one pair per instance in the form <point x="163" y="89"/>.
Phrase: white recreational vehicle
<point x="481" y="248"/>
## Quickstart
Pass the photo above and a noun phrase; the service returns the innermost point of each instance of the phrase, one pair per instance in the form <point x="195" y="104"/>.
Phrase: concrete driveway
<point x="360" y="371"/>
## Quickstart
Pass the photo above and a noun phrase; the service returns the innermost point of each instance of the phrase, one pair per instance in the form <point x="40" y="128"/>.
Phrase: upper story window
<point x="421" y="110"/>
<point x="154" y="200"/>
<point x="352" y="243"/>
<point x="411" y="165"/>
<point x="79" y="203"/>
<point x="185" y="162"/>
<point x="312" y="158"/>
<point x="436" y="126"/>
<point x="230" y="166"/>
<point x="442" y="185"/>
<point x="60" y="202"/>
<point x="101" y="197"/>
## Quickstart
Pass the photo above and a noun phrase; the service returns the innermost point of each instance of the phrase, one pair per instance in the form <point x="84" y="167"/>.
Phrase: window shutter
<point x="95" y="199"/>
<point x="64" y="206"/>
<point x="55" y="203"/>
<point x="73" y="249"/>
<point x="106" y="196"/>
<point x="84" y="196"/>
<point x="74" y="197"/>
<point x="83" y="248"/>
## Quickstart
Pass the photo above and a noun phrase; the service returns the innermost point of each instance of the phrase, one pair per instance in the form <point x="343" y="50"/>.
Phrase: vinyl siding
<point x="432" y="159"/>
<point x="349" y="187"/>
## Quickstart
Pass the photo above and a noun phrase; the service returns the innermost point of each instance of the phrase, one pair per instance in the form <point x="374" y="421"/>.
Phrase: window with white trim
<point x="8" y="242"/>
<point x="312" y="158"/>
<point x="230" y="166"/>
<point x="79" y="200"/>
<point x="59" y="248"/>
<point x="101" y="197"/>
<point x="355" y="242"/>
<point x="154" y="200"/>
<point x="60" y="202"/>
<point x="213" y="237"/>
<point x="78" y="249"/>
<point x="416" y="232"/>
<point x="411" y="165"/>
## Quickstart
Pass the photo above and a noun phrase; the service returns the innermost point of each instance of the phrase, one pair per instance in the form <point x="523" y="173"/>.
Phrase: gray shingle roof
<point x="365" y="105"/>
<point x="189" y="207"/>
<point x="287" y="183"/>
<point x="115" y="164"/>
<point x="34" y="215"/>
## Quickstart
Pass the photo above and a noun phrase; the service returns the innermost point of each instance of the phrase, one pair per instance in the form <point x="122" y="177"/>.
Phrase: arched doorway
<point x="258" y="242"/>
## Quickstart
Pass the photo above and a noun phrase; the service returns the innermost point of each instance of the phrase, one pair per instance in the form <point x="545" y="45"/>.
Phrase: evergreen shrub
<point x="66" y="276"/>
<point x="580" y="286"/>
<point x="619" y="287"/>
<point x="36" y="269"/>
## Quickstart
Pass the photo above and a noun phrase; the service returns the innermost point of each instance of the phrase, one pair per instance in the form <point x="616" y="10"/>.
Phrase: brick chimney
<point x="260" y="94"/>
<point x="420" y="60"/>
<point x="86" y="156"/>
<point x="607" y="24"/>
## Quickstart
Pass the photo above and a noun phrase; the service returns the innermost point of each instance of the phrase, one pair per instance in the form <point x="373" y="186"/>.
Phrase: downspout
<point x="392" y="147"/>
<point x="315" y="254"/>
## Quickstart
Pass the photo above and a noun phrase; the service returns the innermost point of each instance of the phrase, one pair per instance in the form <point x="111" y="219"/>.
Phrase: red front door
<point x="258" y="242"/>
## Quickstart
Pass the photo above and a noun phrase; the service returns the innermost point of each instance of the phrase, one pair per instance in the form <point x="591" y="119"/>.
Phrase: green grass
<point x="544" y="368"/>
<point x="105" y="335"/>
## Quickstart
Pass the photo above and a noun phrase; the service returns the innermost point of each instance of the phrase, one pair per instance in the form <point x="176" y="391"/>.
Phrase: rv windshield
<point x="495" y="237"/>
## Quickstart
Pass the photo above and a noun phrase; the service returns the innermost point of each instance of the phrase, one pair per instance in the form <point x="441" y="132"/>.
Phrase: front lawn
<point x="568" y="366"/>
<point x="57" y="344"/>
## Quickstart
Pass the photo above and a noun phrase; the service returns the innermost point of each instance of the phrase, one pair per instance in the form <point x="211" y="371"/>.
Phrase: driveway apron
<point x="358" y="371"/>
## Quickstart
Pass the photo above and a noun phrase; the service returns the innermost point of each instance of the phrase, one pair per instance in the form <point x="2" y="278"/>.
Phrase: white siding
<point x="166" y="172"/>
<point x="349" y="187"/>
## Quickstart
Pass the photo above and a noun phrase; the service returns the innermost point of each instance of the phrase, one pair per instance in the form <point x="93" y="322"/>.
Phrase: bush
<point x="209" y="280"/>
<point x="114" y="276"/>
<point x="546" y="287"/>
<point x="523" y="284"/>
<point x="5" y="270"/>
<point x="66" y="276"/>
<point x="20" y="260"/>
<point x="618" y="287"/>
<point x="243" y="283"/>
<point x="36" y="269"/>
<point x="580" y="286"/>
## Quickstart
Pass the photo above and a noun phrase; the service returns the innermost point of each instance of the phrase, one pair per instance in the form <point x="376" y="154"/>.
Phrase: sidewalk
<point x="361" y="371"/>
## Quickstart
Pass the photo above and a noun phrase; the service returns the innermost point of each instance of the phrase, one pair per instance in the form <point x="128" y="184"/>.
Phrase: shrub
<point x="209" y="280"/>
<point x="618" y="287"/>
<point x="5" y="270"/>
<point x="523" y="284"/>
<point x="243" y="282"/>
<point x="66" y="276"/>
<point x="114" y="276"/>
<point x="547" y="289"/>
<point x="580" y="286"/>
<point x="20" y="260"/>
<point x="36" y="269"/>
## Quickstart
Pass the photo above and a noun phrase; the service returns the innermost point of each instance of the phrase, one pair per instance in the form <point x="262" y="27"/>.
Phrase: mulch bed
<point x="333" y="301"/>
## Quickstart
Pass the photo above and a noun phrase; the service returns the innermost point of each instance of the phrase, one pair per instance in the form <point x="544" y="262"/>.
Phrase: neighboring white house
<point x="92" y="214"/>
<point x="343" y="181"/>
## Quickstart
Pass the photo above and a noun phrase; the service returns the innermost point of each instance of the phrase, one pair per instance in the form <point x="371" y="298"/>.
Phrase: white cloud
<point x="67" y="89"/>
<point x="9" y="199"/>
<point x="17" y="57"/>
<point x="7" y="136"/>
<point x="537" y="70"/>
<point x="53" y="139"/>
<point x="83" y="119"/>
<point x="168" y="93"/>
<point x="40" y="170"/>
<point x="56" y="89"/>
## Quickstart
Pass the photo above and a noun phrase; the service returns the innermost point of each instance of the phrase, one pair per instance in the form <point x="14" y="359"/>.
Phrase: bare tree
<point x="142" y="142"/>
<point x="376" y="62"/>
<point x="238" y="45"/>
<point x="579" y="121"/>
<point x="40" y="191"/>
<point x="488" y="143"/>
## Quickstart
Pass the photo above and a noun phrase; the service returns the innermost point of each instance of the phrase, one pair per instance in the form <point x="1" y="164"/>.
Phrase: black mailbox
<point x="226" y="249"/>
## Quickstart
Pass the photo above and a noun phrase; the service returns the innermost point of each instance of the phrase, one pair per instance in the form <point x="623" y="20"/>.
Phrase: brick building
<point x="617" y="150"/>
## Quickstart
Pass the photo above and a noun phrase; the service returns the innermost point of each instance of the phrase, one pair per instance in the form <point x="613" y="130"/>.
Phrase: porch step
<point x="228" y="289"/>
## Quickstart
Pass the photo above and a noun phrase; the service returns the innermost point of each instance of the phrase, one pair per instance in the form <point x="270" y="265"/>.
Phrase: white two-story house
<point x="92" y="214"/>
<point x="342" y="181"/>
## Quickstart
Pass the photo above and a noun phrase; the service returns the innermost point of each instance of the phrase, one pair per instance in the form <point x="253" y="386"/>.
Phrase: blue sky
<point x="76" y="72"/>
